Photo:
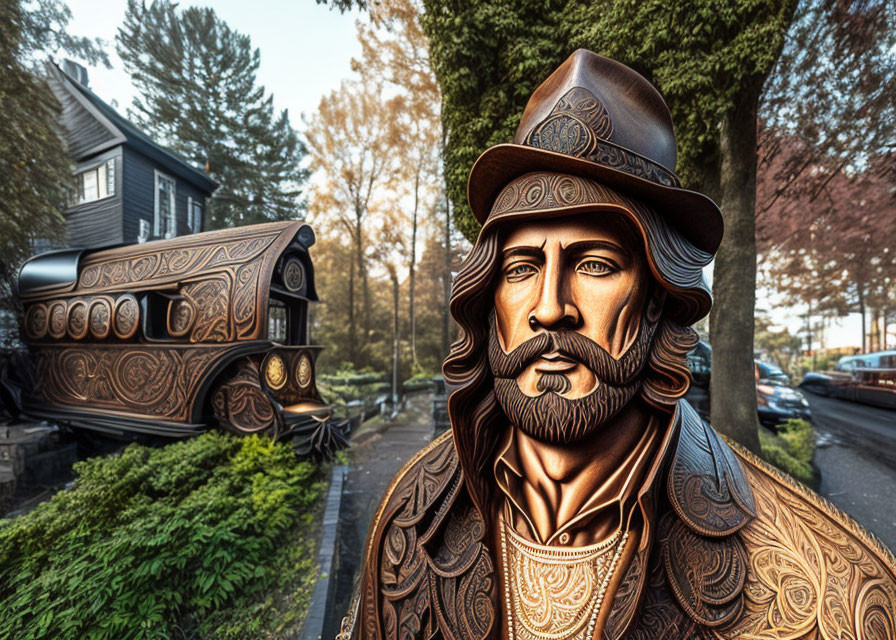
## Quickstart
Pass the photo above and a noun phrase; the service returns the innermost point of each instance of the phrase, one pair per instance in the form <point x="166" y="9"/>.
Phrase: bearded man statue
<point x="577" y="496"/>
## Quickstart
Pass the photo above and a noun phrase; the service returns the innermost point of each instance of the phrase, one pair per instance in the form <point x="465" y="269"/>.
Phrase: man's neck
<point x="558" y="479"/>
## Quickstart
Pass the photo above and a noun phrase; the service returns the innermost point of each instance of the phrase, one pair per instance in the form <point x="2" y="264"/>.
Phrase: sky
<point x="306" y="48"/>
<point x="306" y="51"/>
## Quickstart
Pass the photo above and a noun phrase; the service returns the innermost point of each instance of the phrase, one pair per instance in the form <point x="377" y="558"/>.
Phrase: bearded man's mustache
<point x="575" y="346"/>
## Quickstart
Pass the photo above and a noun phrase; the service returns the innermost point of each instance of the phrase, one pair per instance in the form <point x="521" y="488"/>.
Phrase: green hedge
<point x="792" y="449"/>
<point x="207" y="538"/>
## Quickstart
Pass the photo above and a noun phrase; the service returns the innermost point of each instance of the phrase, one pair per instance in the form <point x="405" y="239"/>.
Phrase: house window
<point x="165" y="223"/>
<point x="96" y="183"/>
<point x="194" y="215"/>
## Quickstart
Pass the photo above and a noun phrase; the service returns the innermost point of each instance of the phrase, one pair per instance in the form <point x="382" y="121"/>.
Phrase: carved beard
<point x="549" y="417"/>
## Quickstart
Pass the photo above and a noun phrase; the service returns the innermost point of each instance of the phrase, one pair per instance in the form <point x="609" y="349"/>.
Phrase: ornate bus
<point x="175" y="336"/>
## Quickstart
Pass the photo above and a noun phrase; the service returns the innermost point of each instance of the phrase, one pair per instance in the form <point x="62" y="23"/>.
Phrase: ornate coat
<point x="742" y="551"/>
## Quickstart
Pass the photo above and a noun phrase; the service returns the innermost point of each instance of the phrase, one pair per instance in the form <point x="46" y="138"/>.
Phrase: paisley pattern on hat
<point x="579" y="125"/>
<point x="574" y="126"/>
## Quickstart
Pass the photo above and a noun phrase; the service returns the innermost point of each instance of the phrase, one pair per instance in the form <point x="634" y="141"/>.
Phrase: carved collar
<point x="622" y="490"/>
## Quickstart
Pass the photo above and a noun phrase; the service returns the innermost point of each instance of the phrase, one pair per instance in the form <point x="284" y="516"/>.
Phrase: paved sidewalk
<point x="377" y="453"/>
<point x="862" y="486"/>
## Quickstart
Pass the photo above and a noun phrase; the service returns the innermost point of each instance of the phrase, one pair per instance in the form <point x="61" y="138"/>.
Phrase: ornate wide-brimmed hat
<point x="596" y="118"/>
<point x="596" y="136"/>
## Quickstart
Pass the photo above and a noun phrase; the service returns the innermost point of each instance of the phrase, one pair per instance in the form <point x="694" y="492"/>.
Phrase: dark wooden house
<point x="129" y="189"/>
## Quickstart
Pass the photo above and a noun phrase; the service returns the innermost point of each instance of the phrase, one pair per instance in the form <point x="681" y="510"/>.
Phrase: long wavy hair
<point x="476" y="418"/>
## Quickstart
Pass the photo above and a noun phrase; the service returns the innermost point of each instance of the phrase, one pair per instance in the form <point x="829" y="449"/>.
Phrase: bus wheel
<point x="241" y="406"/>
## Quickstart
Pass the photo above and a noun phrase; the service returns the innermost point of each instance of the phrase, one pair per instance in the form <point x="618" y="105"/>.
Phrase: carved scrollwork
<point x="56" y="323"/>
<point x="117" y="269"/>
<point x="574" y="125"/>
<point x="181" y="315"/>
<point x="156" y="381"/>
<point x="813" y="572"/>
<point x="706" y="574"/>
<point x="100" y="317"/>
<point x="625" y="601"/>
<point x="77" y="321"/>
<point x="36" y="320"/>
<point x="211" y="300"/>
<point x="245" y="299"/>
<point x="293" y="275"/>
<point x="126" y="316"/>
<point x="579" y="125"/>
<point x="240" y="404"/>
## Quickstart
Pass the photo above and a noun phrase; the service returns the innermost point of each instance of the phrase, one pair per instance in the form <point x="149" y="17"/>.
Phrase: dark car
<point x="777" y="400"/>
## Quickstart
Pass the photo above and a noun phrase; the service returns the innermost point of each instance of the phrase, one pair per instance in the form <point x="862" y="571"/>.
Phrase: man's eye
<point x="519" y="271"/>
<point x="595" y="268"/>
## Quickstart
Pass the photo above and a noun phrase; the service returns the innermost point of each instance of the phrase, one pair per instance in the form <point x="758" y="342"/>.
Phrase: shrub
<point x="158" y="543"/>
<point x="792" y="449"/>
<point x="799" y="439"/>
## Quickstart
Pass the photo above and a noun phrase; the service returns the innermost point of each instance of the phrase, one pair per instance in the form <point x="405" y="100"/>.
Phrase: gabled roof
<point x="124" y="132"/>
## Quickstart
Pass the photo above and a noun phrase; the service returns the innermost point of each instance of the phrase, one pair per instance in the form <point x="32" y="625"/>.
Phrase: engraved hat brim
<point x="695" y="215"/>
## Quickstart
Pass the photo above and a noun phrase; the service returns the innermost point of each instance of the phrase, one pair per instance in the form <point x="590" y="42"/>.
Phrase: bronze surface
<point x="599" y="119"/>
<point x="167" y="337"/>
<point x="799" y="569"/>
<point x="99" y="315"/>
<point x="568" y="428"/>
<point x="154" y="381"/>
<point x="126" y="316"/>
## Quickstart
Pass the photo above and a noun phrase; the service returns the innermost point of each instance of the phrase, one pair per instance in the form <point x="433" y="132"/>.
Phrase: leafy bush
<point x="792" y="449"/>
<point x="799" y="439"/>
<point x="188" y="540"/>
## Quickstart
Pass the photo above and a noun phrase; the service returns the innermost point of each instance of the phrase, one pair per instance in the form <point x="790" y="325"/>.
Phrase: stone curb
<point x="312" y="628"/>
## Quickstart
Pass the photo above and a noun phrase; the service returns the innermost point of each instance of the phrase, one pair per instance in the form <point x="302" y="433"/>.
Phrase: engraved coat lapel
<point x="702" y="552"/>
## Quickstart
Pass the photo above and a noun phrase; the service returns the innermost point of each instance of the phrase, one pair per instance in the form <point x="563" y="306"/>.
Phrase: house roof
<point x="124" y="132"/>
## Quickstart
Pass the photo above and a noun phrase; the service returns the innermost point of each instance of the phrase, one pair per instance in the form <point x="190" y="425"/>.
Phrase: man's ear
<point x="655" y="304"/>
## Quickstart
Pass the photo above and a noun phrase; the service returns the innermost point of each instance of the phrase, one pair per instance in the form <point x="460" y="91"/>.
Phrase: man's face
<point x="569" y="306"/>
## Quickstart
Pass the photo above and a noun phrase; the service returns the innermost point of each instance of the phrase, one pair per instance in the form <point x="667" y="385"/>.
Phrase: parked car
<point x="869" y="378"/>
<point x="777" y="400"/>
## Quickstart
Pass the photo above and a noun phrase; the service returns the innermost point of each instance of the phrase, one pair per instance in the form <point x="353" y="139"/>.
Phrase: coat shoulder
<point x="812" y="570"/>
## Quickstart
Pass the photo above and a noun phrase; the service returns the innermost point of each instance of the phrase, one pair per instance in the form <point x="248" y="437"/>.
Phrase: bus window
<point x="278" y="322"/>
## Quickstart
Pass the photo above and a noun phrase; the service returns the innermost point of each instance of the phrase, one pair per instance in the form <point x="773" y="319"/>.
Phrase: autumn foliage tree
<point x="825" y="193"/>
<point x="832" y="248"/>
<point x="352" y="139"/>
<point x="395" y="49"/>
<point x="375" y="146"/>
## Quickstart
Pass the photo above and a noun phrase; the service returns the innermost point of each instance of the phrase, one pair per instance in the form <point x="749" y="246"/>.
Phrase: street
<point x="857" y="456"/>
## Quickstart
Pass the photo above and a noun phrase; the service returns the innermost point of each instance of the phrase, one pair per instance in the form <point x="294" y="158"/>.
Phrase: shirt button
<point x="564" y="538"/>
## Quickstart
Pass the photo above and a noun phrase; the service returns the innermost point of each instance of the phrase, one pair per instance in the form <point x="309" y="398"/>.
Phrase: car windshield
<point x="772" y="373"/>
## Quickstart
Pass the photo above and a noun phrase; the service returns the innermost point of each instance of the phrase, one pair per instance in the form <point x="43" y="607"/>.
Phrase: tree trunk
<point x="395" y="304"/>
<point x="446" y="281"/>
<point x="365" y="290"/>
<point x="412" y="275"/>
<point x="352" y="328"/>
<point x="862" y="312"/>
<point x="872" y="331"/>
<point x="733" y="383"/>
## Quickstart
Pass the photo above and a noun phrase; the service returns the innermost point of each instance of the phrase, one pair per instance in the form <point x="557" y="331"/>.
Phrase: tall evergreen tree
<point x="37" y="174"/>
<point x="200" y="96"/>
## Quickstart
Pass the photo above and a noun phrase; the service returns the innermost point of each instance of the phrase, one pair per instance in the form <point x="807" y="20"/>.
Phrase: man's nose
<point x="554" y="309"/>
